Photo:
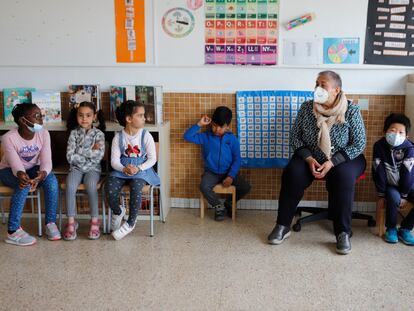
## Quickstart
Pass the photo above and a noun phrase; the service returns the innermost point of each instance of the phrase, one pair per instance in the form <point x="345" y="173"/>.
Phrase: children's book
<point x="146" y="95"/>
<point x="150" y="96"/>
<point x="117" y="95"/>
<point x="158" y="105"/>
<point x="82" y="93"/>
<point x="14" y="96"/>
<point x="50" y="104"/>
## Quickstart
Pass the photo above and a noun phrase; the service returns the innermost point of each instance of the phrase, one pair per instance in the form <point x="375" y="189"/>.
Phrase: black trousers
<point x="340" y="184"/>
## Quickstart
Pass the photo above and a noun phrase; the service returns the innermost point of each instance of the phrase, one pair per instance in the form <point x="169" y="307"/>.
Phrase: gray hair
<point x="332" y="75"/>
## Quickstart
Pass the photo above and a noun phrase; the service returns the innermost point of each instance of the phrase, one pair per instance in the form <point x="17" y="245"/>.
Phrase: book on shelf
<point x="159" y="105"/>
<point x="84" y="93"/>
<point x="150" y="96"/>
<point x="50" y="105"/>
<point x="117" y="95"/>
<point x="146" y="95"/>
<point x="14" y="96"/>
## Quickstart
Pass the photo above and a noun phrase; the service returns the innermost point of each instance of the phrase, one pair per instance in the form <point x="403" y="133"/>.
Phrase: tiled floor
<point x="194" y="264"/>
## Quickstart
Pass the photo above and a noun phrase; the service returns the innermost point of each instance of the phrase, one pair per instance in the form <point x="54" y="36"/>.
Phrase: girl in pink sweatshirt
<point x="27" y="164"/>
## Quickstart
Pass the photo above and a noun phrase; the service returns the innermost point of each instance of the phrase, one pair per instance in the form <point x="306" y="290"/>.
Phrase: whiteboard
<point x="62" y="33"/>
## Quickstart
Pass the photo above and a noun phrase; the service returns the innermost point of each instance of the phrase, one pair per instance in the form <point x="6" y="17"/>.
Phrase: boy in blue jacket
<point x="221" y="155"/>
<point x="392" y="170"/>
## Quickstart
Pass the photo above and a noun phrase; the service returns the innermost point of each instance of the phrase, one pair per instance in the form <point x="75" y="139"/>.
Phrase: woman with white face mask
<point x="328" y="139"/>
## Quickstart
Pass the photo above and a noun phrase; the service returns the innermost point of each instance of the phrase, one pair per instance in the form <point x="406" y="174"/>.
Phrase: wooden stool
<point x="221" y="190"/>
<point x="380" y="215"/>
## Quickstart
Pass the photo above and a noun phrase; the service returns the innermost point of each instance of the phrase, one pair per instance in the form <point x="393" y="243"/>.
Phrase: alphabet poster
<point x="241" y="32"/>
<point x="390" y="33"/>
<point x="264" y="120"/>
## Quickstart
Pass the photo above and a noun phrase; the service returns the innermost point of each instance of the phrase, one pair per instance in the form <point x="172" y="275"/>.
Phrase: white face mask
<point x="35" y="128"/>
<point x="394" y="139"/>
<point x="320" y="95"/>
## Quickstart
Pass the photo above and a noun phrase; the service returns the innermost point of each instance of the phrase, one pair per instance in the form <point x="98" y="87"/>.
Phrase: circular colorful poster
<point x="337" y="53"/>
<point x="194" y="4"/>
<point x="178" y="22"/>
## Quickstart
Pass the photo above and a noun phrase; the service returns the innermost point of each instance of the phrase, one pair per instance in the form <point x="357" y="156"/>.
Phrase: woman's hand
<point x="205" y="120"/>
<point x="313" y="166"/>
<point x="24" y="179"/>
<point x="227" y="181"/>
<point x="324" y="169"/>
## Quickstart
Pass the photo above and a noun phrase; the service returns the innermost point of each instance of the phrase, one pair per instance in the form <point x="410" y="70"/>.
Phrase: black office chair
<point x="319" y="213"/>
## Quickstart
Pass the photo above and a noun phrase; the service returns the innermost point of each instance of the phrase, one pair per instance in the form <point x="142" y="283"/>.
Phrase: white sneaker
<point x="123" y="231"/>
<point x="20" y="238"/>
<point x="52" y="232"/>
<point x="117" y="219"/>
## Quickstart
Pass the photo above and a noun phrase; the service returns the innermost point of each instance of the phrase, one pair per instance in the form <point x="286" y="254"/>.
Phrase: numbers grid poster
<point x="264" y="120"/>
<point x="241" y="32"/>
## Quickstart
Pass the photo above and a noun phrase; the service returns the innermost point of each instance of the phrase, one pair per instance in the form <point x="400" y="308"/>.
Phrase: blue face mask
<point x="35" y="128"/>
<point x="394" y="139"/>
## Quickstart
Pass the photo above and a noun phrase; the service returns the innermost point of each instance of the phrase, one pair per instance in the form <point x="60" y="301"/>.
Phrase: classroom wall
<point x="185" y="109"/>
<point x="49" y="44"/>
<point x="53" y="43"/>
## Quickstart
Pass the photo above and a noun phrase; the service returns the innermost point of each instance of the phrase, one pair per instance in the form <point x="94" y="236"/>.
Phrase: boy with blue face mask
<point x="393" y="174"/>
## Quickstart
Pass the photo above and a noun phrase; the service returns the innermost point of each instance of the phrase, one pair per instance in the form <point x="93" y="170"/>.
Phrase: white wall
<point x="53" y="43"/>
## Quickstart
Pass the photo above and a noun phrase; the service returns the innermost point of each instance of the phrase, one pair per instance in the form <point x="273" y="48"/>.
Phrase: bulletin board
<point x="264" y="121"/>
<point x="390" y="33"/>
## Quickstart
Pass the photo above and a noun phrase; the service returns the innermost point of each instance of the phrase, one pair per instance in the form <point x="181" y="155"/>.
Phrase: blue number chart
<point x="264" y="120"/>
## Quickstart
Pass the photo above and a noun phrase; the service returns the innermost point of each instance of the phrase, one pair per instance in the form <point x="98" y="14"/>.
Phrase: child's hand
<point x="97" y="146"/>
<point x="205" y="120"/>
<point x="227" y="181"/>
<point x="403" y="202"/>
<point x="40" y="176"/>
<point x="33" y="186"/>
<point x="24" y="179"/>
<point x="127" y="171"/>
<point x="133" y="169"/>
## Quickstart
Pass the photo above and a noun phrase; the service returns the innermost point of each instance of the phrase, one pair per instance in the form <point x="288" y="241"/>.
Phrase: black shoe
<point x="278" y="234"/>
<point x="220" y="212"/>
<point x="228" y="206"/>
<point x="343" y="243"/>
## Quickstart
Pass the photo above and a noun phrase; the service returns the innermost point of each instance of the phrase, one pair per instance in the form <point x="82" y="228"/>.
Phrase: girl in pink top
<point x="26" y="164"/>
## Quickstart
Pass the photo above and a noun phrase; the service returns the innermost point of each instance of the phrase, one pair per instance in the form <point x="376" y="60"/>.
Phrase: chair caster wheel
<point x="297" y="227"/>
<point x="371" y="223"/>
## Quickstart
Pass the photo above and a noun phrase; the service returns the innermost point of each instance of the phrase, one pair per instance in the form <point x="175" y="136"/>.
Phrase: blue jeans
<point x="393" y="197"/>
<point x="50" y="190"/>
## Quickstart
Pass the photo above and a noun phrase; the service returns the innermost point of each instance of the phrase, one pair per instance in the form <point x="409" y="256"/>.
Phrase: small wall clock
<point x="178" y="22"/>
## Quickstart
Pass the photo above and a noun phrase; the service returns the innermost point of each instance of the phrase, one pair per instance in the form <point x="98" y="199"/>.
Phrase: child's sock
<point x="11" y="231"/>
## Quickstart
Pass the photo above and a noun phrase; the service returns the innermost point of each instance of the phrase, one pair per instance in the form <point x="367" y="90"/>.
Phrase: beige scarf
<point x="326" y="118"/>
